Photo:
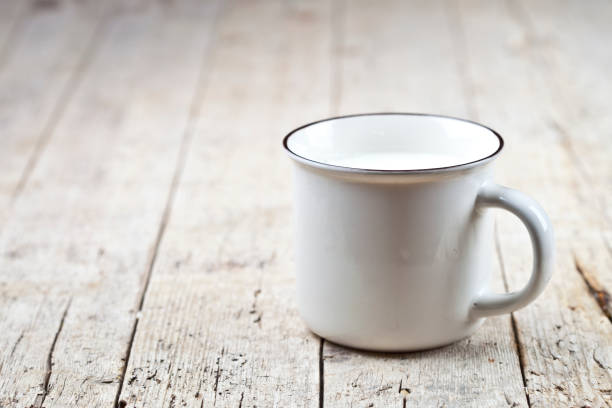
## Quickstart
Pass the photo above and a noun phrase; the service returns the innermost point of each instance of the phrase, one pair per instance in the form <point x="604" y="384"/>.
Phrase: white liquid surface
<point x="398" y="161"/>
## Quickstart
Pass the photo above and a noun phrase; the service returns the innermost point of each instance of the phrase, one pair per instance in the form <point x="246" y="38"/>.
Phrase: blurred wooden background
<point x="145" y="238"/>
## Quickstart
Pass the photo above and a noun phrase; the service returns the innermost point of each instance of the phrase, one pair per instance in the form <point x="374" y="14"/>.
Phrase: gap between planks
<point x="456" y="26"/>
<point x="321" y="374"/>
<point x="40" y="399"/>
<point x="464" y="97"/>
<point x="337" y="17"/>
<point x="517" y="339"/>
<point x="186" y="142"/>
<point x="461" y="56"/>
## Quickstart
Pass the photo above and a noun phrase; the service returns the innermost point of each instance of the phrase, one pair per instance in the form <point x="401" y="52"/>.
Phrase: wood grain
<point x="77" y="246"/>
<point x="219" y="324"/>
<point x="390" y="69"/>
<point x="565" y="338"/>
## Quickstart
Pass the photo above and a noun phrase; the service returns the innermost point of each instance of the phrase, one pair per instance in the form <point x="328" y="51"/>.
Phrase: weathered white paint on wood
<point x="385" y="67"/>
<point x="76" y="249"/>
<point x="565" y="338"/>
<point x="219" y="324"/>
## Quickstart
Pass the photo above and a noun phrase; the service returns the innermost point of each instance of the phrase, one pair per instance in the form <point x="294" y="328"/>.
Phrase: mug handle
<point x="541" y="234"/>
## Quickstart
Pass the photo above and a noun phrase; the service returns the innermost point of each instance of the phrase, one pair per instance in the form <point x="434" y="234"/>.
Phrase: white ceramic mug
<point x="393" y="241"/>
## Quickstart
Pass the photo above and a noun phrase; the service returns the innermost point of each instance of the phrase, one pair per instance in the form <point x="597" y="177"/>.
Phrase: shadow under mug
<point x="393" y="240"/>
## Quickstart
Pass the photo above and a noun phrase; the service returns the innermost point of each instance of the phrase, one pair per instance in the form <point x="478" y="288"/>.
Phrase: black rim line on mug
<point x="379" y="171"/>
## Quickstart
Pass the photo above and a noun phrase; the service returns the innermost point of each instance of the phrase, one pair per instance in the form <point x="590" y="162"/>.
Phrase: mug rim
<point x="345" y="169"/>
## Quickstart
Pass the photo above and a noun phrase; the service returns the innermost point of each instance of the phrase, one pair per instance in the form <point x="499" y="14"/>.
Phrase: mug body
<point x="390" y="265"/>
<point x="388" y="260"/>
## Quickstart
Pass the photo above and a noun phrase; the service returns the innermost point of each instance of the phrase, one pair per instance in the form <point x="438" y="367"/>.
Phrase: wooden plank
<point x="393" y="69"/>
<point x="77" y="247"/>
<point x="219" y="324"/>
<point x="565" y="339"/>
<point x="40" y="69"/>
<point x="573" y="42"/>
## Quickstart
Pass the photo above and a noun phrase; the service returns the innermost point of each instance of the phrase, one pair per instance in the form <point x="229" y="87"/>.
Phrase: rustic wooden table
<point x="145" y="240"/>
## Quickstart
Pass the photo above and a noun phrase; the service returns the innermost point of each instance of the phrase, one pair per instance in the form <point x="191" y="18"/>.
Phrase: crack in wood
<point x="254" y="308"/>
<point x="515" y="332"/>
<point x="600" y="362"/>
<point x="521" y="356"/>
<point x="198" y="393"/>
<point x="602" y="297"/>
<point x="40" y="398"/>
<point x="16" y="344"/>
<point x="217" y="375"/>
<point x="321" y="374"/>
<point x="404" y="392"/>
